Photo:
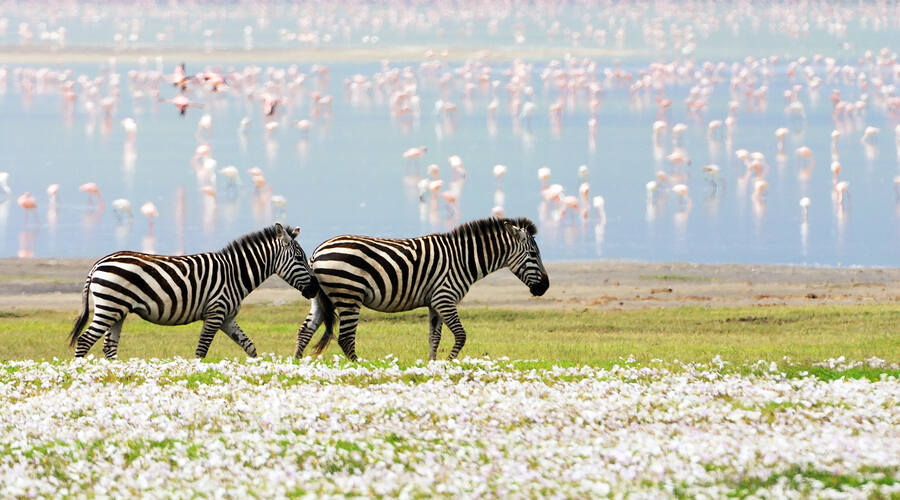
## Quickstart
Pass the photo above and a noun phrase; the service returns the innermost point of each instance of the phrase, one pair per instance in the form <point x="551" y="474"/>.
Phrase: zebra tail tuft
<point x="328" y="312"/>
<point x="82" y="318"/>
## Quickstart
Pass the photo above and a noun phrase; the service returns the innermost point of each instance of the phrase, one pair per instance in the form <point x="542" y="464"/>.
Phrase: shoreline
<point x="55" y="284"/>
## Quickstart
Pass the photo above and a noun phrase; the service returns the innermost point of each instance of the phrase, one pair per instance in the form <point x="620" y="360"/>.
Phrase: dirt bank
<point x="56" y="283"/>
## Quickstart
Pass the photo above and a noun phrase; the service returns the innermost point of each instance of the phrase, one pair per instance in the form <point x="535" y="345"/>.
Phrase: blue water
<point x="347" y="174"/>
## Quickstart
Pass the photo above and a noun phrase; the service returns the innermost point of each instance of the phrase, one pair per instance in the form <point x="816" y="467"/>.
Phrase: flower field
<point x="476" y="428"/>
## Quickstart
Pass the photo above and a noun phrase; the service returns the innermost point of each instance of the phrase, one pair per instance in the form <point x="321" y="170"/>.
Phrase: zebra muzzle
<point x="540" y="287"/>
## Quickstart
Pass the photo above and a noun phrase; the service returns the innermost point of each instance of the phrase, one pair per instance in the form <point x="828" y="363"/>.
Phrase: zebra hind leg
<point x="309" y="327"/>
<point x="349" y="319"/>
<point x="234" y="332"/>
<point x="104" y="319"/>
<point x="111" y="341"/>
<point x="434" y="331"/>
<point x="448" y="312"/>
<point x="210" y="326"/>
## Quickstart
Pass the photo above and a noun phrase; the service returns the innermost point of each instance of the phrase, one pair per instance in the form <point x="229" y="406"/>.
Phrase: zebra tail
<point x="82" y="318"/>
<point x="328" y="312"/>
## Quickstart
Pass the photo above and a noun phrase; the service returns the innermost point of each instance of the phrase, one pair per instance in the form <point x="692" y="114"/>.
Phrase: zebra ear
<point x="295" y="233"/>
<point x="521" y="233"/>
<point x="518" y="231"/>
<point x="281" y="234"/>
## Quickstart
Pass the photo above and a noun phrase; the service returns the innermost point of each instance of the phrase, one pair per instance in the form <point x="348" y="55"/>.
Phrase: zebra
<point x="434" y="271"/>
<point x="177" y="290"/>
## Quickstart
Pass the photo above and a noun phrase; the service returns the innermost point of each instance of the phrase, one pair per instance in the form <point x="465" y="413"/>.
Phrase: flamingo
<point x="183" y="103"/>
<point x="150" y="212"/>
<point x="599" y="205"/>
<point x="122" y="208"/>
<point x="29" y="204"/>
<point x="4" y="183"/>
<point x="544" y="176"/>
<point x="836" y="170"/>
<point x="684" y="196"/>
<point x="456" y="165"/>
<point x="652" y="187"/>
<point x="714" y="175"/>
<point x="870" y="135"/>
<point x="780" y="134"/>
<point x="499" y="172"/>
<point x="804" y="208"/>
<point x="180" y="78"/>
<point x="205" y="123"/>
<point x="52" y="193"/>
<point x="303" y="126"/>
<point x="677" y="130"/>
<point x="130" y="127"/>
<point x="279" y="202"/>
<point x="92" y="190"/>
<point x="413" y="154"/>
<point x="583" y="172"/>
<point x="231" y="173"/>
<point x="759" y="189"/>
<point x="840" y="192"/>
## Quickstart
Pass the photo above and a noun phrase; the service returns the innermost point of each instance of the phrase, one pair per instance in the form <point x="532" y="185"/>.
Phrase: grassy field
<point x="738" y="335"/>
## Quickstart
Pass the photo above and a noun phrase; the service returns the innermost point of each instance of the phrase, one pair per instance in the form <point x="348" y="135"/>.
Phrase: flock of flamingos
<point x="519" y="92"/>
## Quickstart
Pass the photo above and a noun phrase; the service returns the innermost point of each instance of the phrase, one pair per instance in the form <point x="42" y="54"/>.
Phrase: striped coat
<point x="433" y="271"/>
<point x="176" y="290"/>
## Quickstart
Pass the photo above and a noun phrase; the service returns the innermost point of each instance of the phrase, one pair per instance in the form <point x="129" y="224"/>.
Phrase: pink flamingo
<point x="52" y="192"/>
<point x="183" y="103"/>
<point x="29" y="204"/>
<point x="780" y="134"/>
<point x="150" y="212"/>
<point x="840" y="192"/>
<point x="456" y="165"/>
<point x="92" y="190"/>
<point x="413" y="154"/>
<point x="544" y="176"/>
<point x="684" y="196"/>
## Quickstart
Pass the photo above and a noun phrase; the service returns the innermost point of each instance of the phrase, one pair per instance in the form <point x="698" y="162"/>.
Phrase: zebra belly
<point x="394" y="307"/>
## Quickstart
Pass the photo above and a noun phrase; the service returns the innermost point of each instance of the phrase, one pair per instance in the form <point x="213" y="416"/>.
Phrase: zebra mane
<point x="265" y="234"/>
<point x="492" y="224"/>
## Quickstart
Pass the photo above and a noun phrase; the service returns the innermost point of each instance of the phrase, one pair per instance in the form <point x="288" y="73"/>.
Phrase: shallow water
<point x="347" y="175"/>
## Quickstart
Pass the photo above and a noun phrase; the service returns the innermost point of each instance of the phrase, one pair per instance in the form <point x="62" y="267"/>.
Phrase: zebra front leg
<point x="348" y="320"/>
<point x="434" y="332"/>
<point x="104" y="318"/>
<point x="210" y="326"/>
<point x="234" y="332"/>
<point x="448" y="312"/>
<point x="111" y="342"/>
<point x="309" y="327"/>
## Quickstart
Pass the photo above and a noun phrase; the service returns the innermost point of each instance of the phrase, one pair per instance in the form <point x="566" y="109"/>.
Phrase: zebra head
<point x="524" y="258"/>
<point x="290" y="261"/>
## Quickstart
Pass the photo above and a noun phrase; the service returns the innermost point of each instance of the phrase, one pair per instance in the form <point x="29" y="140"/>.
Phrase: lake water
<point x="346" y="174"/>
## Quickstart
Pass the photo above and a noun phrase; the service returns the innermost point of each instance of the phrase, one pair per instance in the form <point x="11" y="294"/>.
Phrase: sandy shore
<point x="602" y="285"/>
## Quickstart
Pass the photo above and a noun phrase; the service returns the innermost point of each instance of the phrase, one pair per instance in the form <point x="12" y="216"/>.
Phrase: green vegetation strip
<point x="737" y="335"/>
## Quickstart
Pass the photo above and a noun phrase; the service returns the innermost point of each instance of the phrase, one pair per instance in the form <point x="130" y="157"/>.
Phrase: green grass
<point x="738" y="335"/>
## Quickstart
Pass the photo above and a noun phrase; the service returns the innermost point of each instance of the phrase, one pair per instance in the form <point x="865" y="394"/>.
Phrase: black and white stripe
<point x="433" y="271"/>
<point x="176" y="290"/>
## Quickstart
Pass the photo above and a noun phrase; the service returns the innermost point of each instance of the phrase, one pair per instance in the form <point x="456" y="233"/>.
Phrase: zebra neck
<point x="252" y="265"/>
<point x="480" y="254"/>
